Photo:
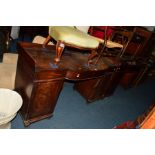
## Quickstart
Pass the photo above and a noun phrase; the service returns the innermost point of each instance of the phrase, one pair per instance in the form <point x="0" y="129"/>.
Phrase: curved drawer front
<point x="72" y="75"/>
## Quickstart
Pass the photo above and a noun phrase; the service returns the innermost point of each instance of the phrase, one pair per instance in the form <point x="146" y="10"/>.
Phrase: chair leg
<point x="92" y="56"/>
<point x="46" y="41"/>
<point x="59" y="49"/>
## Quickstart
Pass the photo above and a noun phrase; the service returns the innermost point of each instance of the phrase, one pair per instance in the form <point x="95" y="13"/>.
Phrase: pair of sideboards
<point x="39" y="81"/>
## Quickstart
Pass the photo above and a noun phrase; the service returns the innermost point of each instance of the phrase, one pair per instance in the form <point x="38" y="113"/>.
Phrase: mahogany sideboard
<point x="40" y="82"/>
<point x="98" y="88"/>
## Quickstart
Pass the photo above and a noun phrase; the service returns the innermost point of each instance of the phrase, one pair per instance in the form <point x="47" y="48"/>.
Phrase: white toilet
<point x="10" y="103"/>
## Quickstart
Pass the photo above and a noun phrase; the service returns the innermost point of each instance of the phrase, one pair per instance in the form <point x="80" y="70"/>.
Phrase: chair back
<point x="135" y="42"/>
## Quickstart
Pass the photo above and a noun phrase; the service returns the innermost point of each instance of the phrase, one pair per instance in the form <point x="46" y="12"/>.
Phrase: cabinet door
<point x="87" y="88"/>
<point x="92" y="89"/>
<point x="98" y="88"/>
<point x="43" y="99"/>
<point x="128" y="78"/>
<point x="111" y="84"/>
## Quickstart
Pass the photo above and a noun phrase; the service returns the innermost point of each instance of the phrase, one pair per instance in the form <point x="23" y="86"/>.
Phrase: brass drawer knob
<point x="78" y="75"/>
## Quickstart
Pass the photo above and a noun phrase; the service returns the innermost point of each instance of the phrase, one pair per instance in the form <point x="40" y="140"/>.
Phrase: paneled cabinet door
<point x="44" y="98"/>
<point x="99" y="88"/>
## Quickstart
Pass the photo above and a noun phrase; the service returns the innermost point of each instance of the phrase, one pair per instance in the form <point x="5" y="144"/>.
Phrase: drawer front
<point x="71" y="75"/>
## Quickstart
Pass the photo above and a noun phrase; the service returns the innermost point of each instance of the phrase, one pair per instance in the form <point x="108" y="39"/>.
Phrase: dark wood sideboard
<point x="39" y="82"/>
<point x="101" y="87"/>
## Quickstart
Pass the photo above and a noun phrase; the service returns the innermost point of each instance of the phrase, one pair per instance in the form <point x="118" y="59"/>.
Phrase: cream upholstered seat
<point x="75" y="37"/>
<point x="70" y="36"/>
<point x="110" y="44"/>
<point x="8" y="70"/>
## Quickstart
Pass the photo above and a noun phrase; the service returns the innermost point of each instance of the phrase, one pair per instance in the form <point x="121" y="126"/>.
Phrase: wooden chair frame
<point x="60" y="45"/>
<point x="99" y="51"/>
<point x="142" y="33"/>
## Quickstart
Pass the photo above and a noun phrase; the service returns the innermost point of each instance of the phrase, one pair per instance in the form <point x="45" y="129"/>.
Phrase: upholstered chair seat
<point x="75" y="37"/>
<point x="110" y="44"/>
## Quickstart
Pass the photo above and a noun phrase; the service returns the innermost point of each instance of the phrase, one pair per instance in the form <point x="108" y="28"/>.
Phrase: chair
<point x="73" y="37"/>
<point x="134" y="42"/>
<point x="99" y="31"/>
<point x="137" y="52"/>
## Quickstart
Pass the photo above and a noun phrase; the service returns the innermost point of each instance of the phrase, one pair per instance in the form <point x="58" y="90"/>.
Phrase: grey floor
<point x="72" y="111"/>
